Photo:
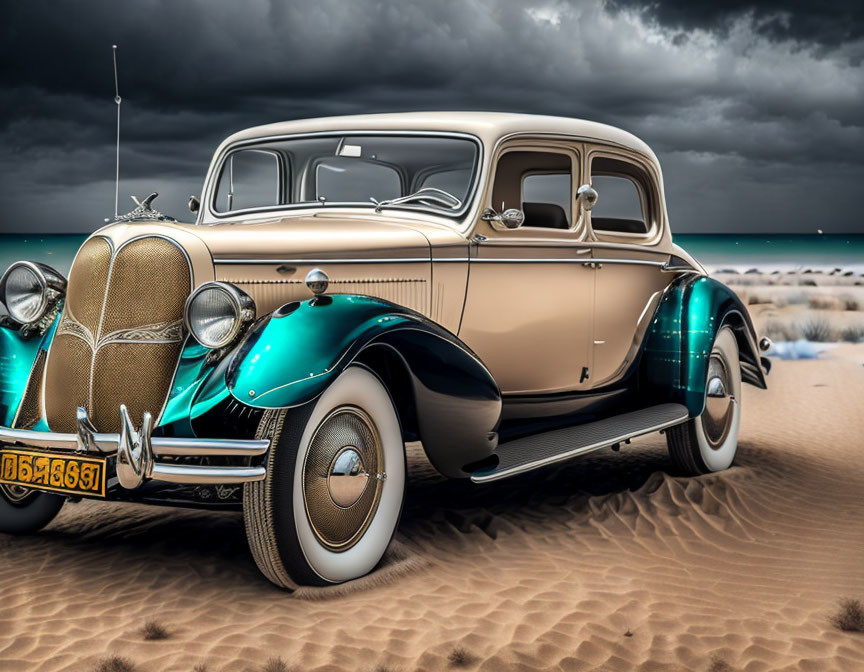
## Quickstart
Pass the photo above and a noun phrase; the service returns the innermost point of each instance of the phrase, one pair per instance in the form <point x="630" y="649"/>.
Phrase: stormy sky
<point x="756" y="110"/>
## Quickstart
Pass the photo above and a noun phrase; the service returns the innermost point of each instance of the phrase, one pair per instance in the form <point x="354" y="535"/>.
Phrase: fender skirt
<point x="443" y="392"/>
<point x="679" y="341"/>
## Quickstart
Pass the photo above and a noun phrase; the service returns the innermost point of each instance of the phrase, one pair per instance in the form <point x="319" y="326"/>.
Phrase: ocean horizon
<point x="766" y="253"/>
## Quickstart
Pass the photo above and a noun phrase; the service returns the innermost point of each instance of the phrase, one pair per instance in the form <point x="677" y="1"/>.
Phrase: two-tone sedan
<point x="502" y="288"/>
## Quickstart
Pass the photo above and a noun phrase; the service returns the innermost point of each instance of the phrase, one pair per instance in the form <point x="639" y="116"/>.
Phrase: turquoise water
<point x="767" y="253"/>
<point x="776" y="252"/>
<point x="55" y="251"/>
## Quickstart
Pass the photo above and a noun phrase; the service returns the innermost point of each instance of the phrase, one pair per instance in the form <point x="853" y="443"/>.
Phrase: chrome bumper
<point x="138" y="453"/>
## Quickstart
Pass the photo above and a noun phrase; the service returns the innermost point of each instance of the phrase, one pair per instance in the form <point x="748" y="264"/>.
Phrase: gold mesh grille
<point x="86" y="289"/>
<point x="67" y="382"/>
<point x="137" y="375"/>
<point x="149" y="285"/>
<point x="95" y="360"/>
<point x="30" y="411"/>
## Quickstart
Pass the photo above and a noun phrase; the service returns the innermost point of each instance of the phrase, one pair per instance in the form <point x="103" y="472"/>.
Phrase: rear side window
<point x="621" y="206"/>
<point x="250" y="179"/>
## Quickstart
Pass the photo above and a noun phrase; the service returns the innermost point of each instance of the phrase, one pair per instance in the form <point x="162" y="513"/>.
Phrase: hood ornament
<point x="144" y="212"/>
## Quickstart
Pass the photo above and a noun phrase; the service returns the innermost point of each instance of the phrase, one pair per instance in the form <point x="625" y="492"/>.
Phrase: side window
<point x="621" y="206"/>
<point x="546" y="191"/>
<point x="539" y="184"/>
<point x="249" y="179"/>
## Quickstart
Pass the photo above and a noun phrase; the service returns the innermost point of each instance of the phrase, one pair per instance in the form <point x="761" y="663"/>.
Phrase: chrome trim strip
<point x="628" y="262"/>
<point x="67" y="443"/>
<point x="139" y="451"/>
<point x="522" y="468"/>
<point x="583" y="262"/>
<point x="417" y="260"/>
<point x="177" y="473"/>
<point x="260" y="262"/>
<point x="175" y="447"/>
<point x="162" y="446"/>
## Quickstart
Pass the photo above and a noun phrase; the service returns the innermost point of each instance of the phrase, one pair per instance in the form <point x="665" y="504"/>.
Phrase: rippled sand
<point x="607" y="563"/>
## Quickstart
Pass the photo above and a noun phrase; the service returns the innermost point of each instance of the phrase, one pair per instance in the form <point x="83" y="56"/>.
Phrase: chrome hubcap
<point x="348" y="477"/>
<point x="343" y="475"/>
<point x="719" y="402"/>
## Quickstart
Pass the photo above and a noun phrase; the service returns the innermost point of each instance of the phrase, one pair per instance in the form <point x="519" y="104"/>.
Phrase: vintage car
<point x="502" y="288"/>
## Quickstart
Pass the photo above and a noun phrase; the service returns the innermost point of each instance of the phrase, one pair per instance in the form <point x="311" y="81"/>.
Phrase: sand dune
<point x="607" y="563"/>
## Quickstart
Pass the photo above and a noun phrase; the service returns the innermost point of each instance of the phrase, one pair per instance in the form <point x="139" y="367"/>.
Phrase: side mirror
<point x="588" y="195"/>
<point x="512" y="218"/>
<point x="194" y="203"/>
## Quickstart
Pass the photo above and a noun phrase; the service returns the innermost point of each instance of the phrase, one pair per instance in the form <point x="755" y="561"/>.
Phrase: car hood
<point x="323" y="236"/>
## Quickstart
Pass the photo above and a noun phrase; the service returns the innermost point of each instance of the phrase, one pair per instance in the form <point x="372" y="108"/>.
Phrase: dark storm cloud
<point x="827" y="22"/>
<point x="753" y="100"/>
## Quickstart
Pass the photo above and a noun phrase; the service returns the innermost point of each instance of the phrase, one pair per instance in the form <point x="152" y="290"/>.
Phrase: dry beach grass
<point x="610" y="562"/>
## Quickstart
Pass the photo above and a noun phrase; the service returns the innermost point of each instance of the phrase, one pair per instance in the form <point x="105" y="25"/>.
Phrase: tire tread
<point x="258" y="509"/>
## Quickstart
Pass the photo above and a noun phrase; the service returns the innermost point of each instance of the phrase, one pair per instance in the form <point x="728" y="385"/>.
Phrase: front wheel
<point x="332" y="498"/>
<point x="23" y="511"/>
<point x="709" y="443"/>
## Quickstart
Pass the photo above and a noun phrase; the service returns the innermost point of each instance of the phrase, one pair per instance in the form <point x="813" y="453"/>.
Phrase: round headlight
<point x="29" y="290"/>
<point x="217" y="313"/>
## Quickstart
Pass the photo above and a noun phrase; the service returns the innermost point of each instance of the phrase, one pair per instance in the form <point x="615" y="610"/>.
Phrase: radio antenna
<point x="117" y="101"/>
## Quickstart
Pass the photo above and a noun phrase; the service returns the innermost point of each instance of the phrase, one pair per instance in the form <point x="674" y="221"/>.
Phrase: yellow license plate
<point x="69" y="474"/>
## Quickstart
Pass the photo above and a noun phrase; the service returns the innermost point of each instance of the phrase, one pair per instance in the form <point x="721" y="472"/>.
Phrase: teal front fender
<point x="293" y="356"/>
<point x="442" y="392"/>
<point x="17" y="357"/>
<point x="284" y="361"/>
<point x="198" y="386"/>
<point x="679" y="341"/>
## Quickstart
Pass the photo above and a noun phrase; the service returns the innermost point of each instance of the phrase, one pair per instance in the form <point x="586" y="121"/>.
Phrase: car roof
<point x="488" y="126"/>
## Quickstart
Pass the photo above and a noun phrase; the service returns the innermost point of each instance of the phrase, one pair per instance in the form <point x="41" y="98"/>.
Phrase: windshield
<point x="356" y="170"/>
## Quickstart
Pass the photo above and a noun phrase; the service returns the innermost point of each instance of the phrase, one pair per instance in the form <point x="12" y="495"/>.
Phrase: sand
<point x="610" y="562"/>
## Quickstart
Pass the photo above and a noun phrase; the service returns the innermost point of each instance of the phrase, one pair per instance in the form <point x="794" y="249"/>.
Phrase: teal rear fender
<point x="678" y="343"/>
<point x="443" y="393"/>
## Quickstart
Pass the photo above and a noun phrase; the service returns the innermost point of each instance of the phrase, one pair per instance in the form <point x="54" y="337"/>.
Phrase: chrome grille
<point x="120" y="333"/>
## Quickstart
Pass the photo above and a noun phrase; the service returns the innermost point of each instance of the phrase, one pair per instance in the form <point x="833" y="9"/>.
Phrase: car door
<point x="625" y="227"/>
<point x="528" y="308"/>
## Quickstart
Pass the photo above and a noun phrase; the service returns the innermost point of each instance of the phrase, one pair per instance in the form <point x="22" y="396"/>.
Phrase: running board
<point x="538" y="450"/>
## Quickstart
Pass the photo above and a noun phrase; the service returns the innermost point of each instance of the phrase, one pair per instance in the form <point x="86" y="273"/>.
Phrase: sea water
<point x="776" y="252"/>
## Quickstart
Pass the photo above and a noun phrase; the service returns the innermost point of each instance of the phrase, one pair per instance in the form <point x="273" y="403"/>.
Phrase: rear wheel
<point x="710" y="442"/>
<point x="23" y="511"/>
<point x="332" y="498"/>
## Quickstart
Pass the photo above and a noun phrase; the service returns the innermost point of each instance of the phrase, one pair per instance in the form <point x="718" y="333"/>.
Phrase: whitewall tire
<point x="709" y="443"/>
<point x="333" y="495"/>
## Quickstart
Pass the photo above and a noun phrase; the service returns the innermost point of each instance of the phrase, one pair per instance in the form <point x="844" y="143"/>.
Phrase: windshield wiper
<point x="430" y="194"/>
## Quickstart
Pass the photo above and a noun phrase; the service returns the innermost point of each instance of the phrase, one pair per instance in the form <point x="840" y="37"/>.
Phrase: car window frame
<point x="575" y="150"/>
<point x="283" y="171"/>
<point x="211" y="216"/>
<point x="649" y="195"/>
